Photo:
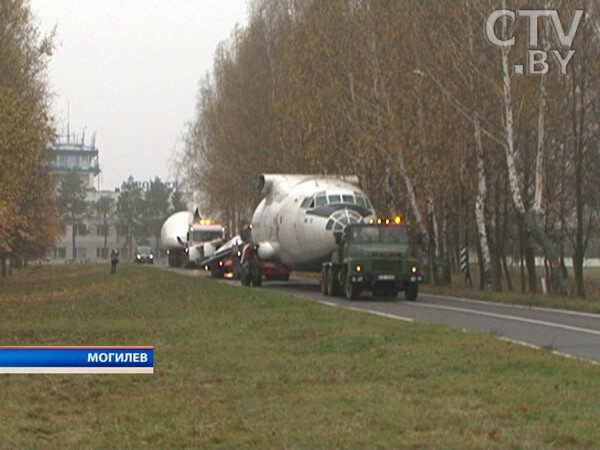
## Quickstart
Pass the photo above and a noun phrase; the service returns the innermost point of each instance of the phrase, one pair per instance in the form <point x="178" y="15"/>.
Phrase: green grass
<point x="252" y="367"/>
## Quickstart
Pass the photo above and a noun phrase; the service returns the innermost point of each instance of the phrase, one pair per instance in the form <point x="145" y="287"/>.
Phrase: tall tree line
<point x="411" y="97"/>
<point x="29" y="218"/>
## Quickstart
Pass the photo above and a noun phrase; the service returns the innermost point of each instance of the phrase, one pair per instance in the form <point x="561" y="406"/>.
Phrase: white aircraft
<point x="294" y="224"/>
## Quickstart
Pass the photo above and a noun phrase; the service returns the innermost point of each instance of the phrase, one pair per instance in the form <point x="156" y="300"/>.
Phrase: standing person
<point x="114" y="260"/>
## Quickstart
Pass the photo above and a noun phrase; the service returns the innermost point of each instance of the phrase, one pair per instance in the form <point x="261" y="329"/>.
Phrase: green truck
<point x="376" y="257"/>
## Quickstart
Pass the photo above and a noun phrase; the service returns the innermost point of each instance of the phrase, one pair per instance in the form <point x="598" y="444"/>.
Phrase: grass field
<point x="252" y="367"/>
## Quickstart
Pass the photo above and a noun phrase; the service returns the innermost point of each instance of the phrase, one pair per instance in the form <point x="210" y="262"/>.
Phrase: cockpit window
<point x="321" y="199"/>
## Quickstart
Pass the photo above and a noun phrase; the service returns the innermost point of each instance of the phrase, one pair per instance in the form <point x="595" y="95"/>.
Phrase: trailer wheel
<point x="236" y="268"/>
<point x="256" y="278"/>
<point x="324" y="281"/>
<point x="333" y="282"/>
<point x="351" y="289"/>
<point x="245" y="275"/>
<point x="411" y="291"/>
<point x="216" y="271"/>
<point x="255" y="273"/>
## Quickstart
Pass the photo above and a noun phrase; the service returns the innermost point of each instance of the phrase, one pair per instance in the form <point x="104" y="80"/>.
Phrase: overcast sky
<point x="129" y="69"/>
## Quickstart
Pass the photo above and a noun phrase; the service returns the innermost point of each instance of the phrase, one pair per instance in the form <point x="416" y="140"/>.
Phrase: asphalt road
<point x="566" y="333"/>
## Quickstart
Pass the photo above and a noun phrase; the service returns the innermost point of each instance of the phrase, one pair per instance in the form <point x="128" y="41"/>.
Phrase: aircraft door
<point x="299" y="227"/>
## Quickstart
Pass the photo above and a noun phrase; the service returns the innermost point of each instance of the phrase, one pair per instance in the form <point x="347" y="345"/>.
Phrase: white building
<point x="72" y="153"/>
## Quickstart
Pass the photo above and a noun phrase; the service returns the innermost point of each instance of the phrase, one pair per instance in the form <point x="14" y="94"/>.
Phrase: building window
<point x="60" y="252"/>
<point x="81" y="229"/>
<point x="122" y="230"/>
<point x="72" y="161"/>
<point x="102" y="252"/>
<point x="81" y="253"/>
<point x="101" y="230"/>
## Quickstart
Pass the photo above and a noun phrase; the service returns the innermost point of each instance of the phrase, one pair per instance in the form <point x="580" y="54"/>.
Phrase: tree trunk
<point x="74" y="234"/>
<point x="481" y="267"/>
<point x="446" y="270"/>
<point x="578" y="121"/>
<point x="509" y="284"/>
<point x="530" y="263"/>
<point x="522" y="266"/>
<point x="480" y="220"/>
<point x="502" y="244"/>
<point x="528" y="217"/>
<point x="485" y="263"/>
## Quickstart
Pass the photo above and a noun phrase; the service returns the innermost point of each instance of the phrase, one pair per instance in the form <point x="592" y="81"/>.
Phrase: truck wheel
<point x="245" y="275"/>
<point x="333" y="283"/>
<point x="324" y="281"/>
<point x="257" y="279"/>
<point x="236" y="269"/>
<point x="216" y="271"/>
<point x="351" y="290"/>
<point x="411" y="291"/>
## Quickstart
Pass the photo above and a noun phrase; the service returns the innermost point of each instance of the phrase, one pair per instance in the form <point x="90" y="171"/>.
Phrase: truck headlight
<point x="358" y="268"/>
<point x="414" y="269"/>
<point x="151" y="256"/>
<point x="138" y="256"/>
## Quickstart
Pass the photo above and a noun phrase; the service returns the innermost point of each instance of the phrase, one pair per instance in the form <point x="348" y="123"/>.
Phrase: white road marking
<point x="524" y="344"/>
<point x="377" y="313"/>
<point x="555" y="352"/>
<point x="566" y="355"/>
<point x="507" y="317"/>
<point x="327" y="303"/>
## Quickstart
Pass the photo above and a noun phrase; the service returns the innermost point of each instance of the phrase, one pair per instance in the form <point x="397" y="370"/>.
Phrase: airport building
<point x="70" y="153"/>
<point x="93" y="239"/>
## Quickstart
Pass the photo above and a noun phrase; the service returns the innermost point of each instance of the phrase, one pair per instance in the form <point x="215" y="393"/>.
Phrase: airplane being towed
<point x="295" y="223"/>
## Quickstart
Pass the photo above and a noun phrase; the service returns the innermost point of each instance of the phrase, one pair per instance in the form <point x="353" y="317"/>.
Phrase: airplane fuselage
<point x="295" y="223"/>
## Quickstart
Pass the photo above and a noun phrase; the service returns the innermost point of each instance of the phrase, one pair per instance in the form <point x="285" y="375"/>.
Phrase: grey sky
<point x="129" y="71"/>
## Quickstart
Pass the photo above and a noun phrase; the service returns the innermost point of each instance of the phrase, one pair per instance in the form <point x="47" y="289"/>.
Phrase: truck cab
<point x="203" y="238"/>
<point x="377" y="257"/>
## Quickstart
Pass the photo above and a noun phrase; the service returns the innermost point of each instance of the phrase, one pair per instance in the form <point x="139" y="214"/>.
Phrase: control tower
<point x="71" y="152"/>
